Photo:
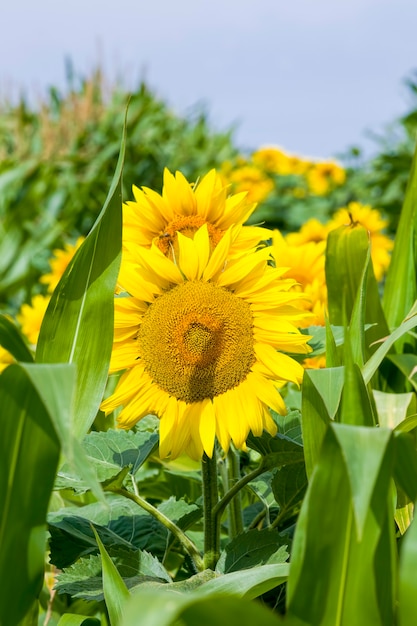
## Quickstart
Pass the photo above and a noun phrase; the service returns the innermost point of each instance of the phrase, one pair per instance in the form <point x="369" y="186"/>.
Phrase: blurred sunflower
<point x="198" y="340"/>
<point x="324" y="176"/>
<point x="5" y="358"/>
<point x="58" y="264"/>
<point x="183" y="208"/>
<point x="311" y="230"/>
<point x="305" y="265"/>
<point x="250" y="179"/>
<point x="31" y="315"/>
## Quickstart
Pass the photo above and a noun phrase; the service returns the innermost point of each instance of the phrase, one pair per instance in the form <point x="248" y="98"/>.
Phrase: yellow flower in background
<point x="184" y="207"/>
<point x="324" y="176"/>
<point x="203" y="343"/>
<point x="274" y="159"/>
<point x="304" y="264"/>
<point x="315" y="362"/>
<point x="371" y="219"/>
<point x="59" y="263"/>
<point x="251" y="180"/>
<point x="312" y="230"/>
<point x="31" y="315"/>
<point x="5" y="358"/>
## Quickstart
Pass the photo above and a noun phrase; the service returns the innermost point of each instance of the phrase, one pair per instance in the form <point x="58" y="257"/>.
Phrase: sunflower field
<point x="208" y="372"/>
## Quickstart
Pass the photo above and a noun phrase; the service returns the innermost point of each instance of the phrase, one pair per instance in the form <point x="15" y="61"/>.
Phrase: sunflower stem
<point x="235" y="508"/>
<point x="222" y="504"/>
<point x="181" y="537"/>
<point x="210" y="500"/>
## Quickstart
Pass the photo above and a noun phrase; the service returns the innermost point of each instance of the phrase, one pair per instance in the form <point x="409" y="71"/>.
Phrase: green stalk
<point x="235" y="509"/>
<point x="210" y="500"/>
<point x="222" y="504"/>
<point x="181" y="537"/>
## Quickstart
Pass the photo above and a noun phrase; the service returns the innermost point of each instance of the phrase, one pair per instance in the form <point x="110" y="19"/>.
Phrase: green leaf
<point x="407" y="364"/>
<point x="376" y="359"/>
<point x="320" y="401"/>
<point x="407" y="588"/>
<point x="252" y="548"/>
<point x="290" y="426"/>
<point x="364" y="451"/>
<point x="319" y="342"/>
<point x="78" y="324"/>
<point x="346" y="258"/>
<point x="248" y="583"/>
<point x="338" y="577"/>
<point x="109" y="451"/>
<point x="356" y="407"/>
<point x="392" y="407"/>
<point x="157" y="607"/>
<point x="11" y="339"/>
<point x="405" y="467"/>
<point x="329" y="384"/>
<point x="83" y="579"/>
<point x="69" y="619"/>
<point x="332" y="356"/>
<point x="289" y="486"/>
<point x="29" y="454"/>
<point x="56" y="387"/>
<point x="400" y="290"/>
<point x="115" y="591"/>
<point x="276" y="451"/>
<point x="121" y="523"/>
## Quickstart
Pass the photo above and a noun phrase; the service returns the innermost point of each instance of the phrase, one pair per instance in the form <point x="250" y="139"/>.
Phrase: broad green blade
<point x="78" y="324"/>
<point x="364" y="450"/>
<point x="115" y="591"/>
<point x="29" y="454"/>
<point x="376" y="359"/>
<point x="405" y="467"/>
<point x="407" y="590"/>
<point x="332" y="355"/>
<point x="248" y="583"/>
<point x="70" y="619"/>
<point x="357" y="320"/>
<point x="401" y="283"/>
<point x="321" y="392"/>
<point x="392" y="407"/>
<point x="49" y="382"/>
<point x="157" y="607"/>
<point x="348" y="282"/>
<point x="338" y="577"/>
<point x="356" y="408"/>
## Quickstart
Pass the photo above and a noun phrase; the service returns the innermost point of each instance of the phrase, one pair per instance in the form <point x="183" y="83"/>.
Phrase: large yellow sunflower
<point x="202" y="341"/>
<point x="184" y="207"/>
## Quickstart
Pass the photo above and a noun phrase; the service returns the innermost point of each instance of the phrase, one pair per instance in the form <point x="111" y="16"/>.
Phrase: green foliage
<point x="57" y="164"/>
<point x="28" y="440"/>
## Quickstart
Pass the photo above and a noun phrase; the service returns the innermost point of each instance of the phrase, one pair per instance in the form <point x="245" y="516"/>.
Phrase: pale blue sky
<point x="309" y="75"/>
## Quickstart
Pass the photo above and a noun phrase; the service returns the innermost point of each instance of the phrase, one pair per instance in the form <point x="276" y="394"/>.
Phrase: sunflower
<point x="5" y="358"/>
<point x="183" y="208"/>
<point x="31" y="315"/>
<point x="202" y="341"/>
<point x="58" y="264"/>
<point x="305" y="264"/>
<point x="311" y="230"/>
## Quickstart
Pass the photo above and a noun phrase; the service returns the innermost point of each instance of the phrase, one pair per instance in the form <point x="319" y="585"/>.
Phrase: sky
<point x="312" y="76"/>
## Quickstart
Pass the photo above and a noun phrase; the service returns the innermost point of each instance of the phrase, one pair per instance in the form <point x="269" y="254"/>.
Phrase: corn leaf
<point x="78" y="324"/>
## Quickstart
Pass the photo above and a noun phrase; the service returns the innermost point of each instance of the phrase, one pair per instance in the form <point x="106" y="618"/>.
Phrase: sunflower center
<point x="196" y="341"/>
<point x="187" y="225"/>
